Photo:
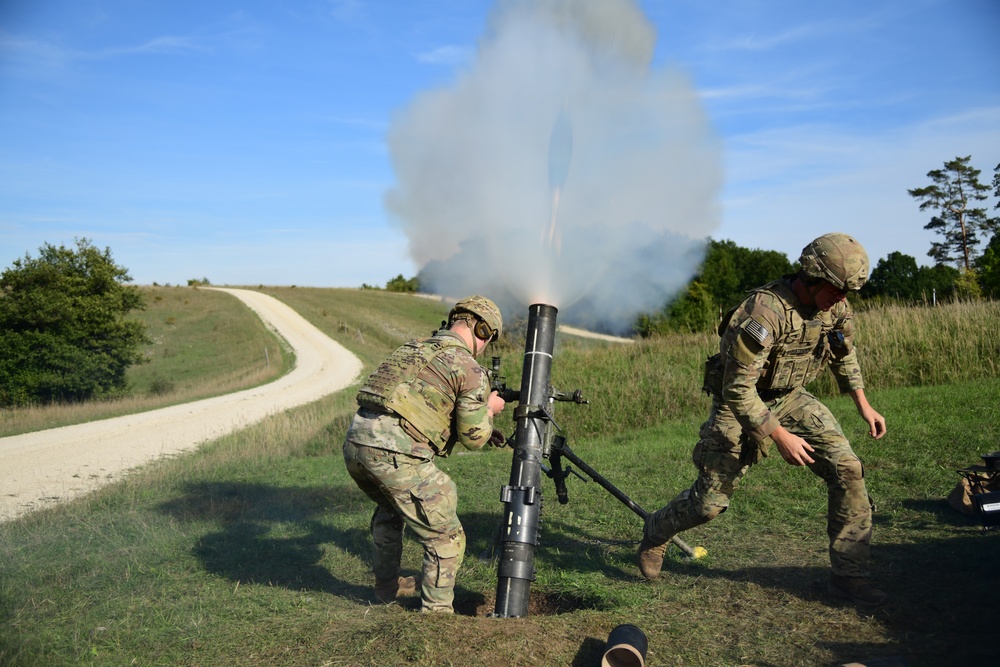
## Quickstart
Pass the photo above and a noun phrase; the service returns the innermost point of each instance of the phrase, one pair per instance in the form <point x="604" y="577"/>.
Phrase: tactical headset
<point x="483" y="331"/>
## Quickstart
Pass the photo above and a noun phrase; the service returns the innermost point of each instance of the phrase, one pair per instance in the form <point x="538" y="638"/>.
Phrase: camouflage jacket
<point x="773" y="343"/>
<point x="438" y="389"/>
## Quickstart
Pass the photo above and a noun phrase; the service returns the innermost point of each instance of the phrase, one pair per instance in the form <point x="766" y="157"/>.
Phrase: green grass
<point x="255" y="550"/>
<point x="205" y="343"/>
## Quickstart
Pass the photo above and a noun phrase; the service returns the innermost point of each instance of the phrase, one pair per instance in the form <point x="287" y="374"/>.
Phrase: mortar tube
<point x="522" y="497"/>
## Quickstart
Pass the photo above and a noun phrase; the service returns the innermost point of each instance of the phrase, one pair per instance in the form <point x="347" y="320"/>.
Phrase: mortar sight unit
<point x="498" y="383"/>
<point x="536" y="439"/>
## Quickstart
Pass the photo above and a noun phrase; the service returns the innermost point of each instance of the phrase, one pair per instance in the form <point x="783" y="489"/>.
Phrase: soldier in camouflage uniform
<point x="773" y="344"/>
<point x="427" y="396"/>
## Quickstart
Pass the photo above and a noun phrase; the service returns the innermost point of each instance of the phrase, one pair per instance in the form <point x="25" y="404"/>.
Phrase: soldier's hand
<point x="876" y="423"/>
<point x="792" y="448"/>
<point x="497" y="439"/>
<point x="495" y="404"/>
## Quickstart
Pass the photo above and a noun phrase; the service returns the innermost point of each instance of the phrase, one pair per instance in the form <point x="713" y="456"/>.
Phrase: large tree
<point x="996" y="184"/>
<point x="730" y="271"/>
<point x="988" y="269"/>
<point x="727" y="273"/>
<point x="64" y="335"/>
<point x="952" y="196"/>
<point x="897" y="276"/>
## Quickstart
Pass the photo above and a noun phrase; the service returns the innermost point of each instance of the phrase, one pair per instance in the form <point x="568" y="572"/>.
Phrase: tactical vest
<point x="396" y="386"/>
<point x="795" y="360"/>
<point x="799" y="357"/>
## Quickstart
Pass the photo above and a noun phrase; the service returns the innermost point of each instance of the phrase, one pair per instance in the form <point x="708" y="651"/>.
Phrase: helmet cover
<point x="838" y="259"/>
<point x="482" y="308"/>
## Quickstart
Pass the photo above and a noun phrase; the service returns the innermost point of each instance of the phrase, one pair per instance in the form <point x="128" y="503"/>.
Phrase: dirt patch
<point x="539" y="604"/>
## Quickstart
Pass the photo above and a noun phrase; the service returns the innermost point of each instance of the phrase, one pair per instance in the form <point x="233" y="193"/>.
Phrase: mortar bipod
<point x="560" y="449"/>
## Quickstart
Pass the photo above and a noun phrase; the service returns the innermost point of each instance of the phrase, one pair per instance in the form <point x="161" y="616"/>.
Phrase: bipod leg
<point x="557" y="473"/>
<point x="564" y="450"/>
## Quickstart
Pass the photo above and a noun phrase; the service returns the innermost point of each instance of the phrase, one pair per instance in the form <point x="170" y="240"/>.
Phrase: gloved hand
<point x="497" y="439"/>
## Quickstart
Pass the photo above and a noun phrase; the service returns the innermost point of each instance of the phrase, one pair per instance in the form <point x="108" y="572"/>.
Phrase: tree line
<point x="66" y="335"/>
<point x="955" y="197"/>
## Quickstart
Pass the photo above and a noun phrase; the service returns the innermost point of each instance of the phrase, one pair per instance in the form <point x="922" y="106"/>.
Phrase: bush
<point x="64" y="335"/>
<point x="401" y="284"/>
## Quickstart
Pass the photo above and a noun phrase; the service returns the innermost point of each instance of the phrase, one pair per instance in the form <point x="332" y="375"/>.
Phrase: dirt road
<point x="45" y="467"/>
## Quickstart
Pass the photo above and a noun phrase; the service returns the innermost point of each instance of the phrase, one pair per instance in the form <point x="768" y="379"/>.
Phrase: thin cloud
<point x="365" y="122"/>
<point x="167" y="44"/>
<point x="772" y="90"/>
<point x="35" y="59"/>
<point x="445" y="55"/>
<point x="31" y="56"/>
<point x="807" y="32"/>
<point x="346" y="10"/>
<point x="847" y="180"/>
<point x="753" y="42"/>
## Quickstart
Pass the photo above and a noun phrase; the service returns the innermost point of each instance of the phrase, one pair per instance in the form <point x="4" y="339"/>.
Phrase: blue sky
<point x="249" y="142"/>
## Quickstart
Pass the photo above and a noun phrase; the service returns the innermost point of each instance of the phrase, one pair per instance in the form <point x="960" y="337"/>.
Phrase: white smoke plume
<point x="559" y="168"/>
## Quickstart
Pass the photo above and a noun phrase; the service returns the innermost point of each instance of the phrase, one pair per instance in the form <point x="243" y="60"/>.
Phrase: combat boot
<point x="388" y="591"/>
<point x="650" y="558"/>
<point x="857" y="589"/>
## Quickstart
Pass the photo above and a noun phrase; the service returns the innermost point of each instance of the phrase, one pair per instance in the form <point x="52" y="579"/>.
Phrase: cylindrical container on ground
<point x="626" y="647"/>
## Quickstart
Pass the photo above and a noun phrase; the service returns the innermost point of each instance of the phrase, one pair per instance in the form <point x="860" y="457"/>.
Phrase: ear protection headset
<point x="483" y="331"/>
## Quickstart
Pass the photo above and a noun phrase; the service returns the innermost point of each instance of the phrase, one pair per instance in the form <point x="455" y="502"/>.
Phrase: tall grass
<point x="255" y="549"/>
<point x="930" y="346"/>
<point x="657" y="379"/>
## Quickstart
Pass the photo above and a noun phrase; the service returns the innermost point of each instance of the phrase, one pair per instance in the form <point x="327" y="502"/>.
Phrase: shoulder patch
<point x="756" y="330"/>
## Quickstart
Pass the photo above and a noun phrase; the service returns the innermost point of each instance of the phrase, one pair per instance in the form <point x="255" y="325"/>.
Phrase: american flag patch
<point x="758" y="331"/>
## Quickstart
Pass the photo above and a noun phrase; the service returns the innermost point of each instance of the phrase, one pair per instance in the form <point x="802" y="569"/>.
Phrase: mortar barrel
<point x="522" y="497"/>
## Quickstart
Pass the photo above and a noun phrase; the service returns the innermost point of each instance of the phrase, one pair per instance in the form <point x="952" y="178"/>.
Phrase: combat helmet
<point x="485" y="311"/>
<point x="838" y="259"/>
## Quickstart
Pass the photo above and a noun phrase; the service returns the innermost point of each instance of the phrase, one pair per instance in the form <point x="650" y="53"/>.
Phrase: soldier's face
<point x="828" y="296"/>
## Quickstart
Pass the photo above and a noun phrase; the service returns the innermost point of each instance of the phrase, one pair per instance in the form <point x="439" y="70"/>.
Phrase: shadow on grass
<point x="244" y="549"/>
<point x="943" y="601"/>
<point x="940" y="513"/>
<point x="565" y="545"/>
<point x="590" y="653"/>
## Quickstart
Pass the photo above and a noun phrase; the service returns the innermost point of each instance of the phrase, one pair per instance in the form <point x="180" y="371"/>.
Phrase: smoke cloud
<point x="559" y="168"/>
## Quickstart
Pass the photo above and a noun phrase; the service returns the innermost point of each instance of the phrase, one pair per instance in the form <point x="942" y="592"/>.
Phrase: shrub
<point x="63" y="331"/>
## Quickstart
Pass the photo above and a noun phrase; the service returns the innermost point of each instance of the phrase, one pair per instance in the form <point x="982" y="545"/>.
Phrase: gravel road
<point x="46" y="467"/>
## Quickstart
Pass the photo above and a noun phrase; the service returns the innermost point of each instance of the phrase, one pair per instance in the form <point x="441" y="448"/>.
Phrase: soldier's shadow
<point x="245" y="551"/>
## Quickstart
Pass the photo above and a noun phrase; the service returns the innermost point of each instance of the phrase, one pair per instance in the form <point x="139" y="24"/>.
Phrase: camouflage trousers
<point x="724" y="454"/>
<point x="416" y="493"/>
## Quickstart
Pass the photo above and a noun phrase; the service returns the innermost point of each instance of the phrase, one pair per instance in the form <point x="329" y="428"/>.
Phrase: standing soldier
<point x="773" y="344"/>
<point x="428" y="395"/>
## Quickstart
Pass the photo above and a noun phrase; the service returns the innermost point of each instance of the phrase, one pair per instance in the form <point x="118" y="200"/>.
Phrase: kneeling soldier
<point x="427" y="396"/>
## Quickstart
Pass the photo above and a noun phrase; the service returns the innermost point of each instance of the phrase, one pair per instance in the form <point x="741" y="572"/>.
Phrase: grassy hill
<point x="255" y="550"/>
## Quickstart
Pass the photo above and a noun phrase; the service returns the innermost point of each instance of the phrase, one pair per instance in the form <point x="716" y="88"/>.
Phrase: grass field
<point x="205" y="343"/>
<point x="255" y="550"/>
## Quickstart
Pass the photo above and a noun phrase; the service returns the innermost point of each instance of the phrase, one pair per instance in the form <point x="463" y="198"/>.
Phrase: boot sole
<point x="844" y="595"/>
